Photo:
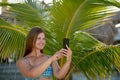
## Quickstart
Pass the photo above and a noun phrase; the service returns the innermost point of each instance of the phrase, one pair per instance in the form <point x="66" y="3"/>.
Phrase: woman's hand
<point x="68" y="53"/>
<point x="62" y="52"/>
<point x="57" y="55"/>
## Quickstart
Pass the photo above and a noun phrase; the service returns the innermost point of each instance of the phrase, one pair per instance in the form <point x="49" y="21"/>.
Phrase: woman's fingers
<point x="63" y="52"/>
<point x="67" y="46"/>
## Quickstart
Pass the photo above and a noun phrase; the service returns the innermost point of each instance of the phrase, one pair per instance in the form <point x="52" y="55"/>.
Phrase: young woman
<point x="35" y="65"/>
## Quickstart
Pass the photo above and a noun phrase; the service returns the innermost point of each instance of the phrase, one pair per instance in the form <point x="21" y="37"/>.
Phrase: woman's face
<point x="40" y="41"/>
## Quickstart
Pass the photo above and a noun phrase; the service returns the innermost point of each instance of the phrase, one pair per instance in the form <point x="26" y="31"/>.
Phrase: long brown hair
<point x="31" y="39"/>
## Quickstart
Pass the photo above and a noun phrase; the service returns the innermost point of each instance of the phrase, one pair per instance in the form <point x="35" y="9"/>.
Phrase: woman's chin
<point x="41" y="48"/>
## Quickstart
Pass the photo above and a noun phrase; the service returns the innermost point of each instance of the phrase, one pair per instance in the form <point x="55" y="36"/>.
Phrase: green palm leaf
<point x="26" y="13"/>
<point x="11" y="41"/>
<point x="91" y="66"/>
<point x="3" y="22"/>
<point x="69" y="16"/>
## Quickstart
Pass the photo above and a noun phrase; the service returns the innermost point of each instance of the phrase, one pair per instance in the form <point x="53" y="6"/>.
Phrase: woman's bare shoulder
<point x="23" y="66"/>
<point x="21" y="61"/>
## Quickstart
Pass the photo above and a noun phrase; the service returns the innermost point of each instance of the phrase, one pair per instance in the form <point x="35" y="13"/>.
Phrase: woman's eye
<point x="38" y="38"/>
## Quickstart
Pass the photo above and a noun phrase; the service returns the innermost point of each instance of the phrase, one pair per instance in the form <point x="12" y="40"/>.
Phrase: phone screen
<point x="65" y="42"/>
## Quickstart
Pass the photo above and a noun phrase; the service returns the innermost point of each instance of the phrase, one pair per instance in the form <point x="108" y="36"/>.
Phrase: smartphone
<point x="65" y="42"/>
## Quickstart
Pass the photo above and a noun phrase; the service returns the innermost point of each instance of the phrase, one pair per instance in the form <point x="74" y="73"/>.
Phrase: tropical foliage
<point x="64" y="19"/>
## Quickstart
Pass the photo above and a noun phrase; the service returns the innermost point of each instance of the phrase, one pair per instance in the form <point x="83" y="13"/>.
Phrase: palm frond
<point x="25" y="13"/>
<point x="4" y="23"/>
<point x="70" y="16"/>
<point x="11" y="42"/>
<point x="98" y="61"/>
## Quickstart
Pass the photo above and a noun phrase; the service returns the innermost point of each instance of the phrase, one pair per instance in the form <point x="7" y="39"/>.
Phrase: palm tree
<point x="65" y="19"/>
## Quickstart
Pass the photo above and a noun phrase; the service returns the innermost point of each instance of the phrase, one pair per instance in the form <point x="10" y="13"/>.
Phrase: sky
<point x="14" y="1"/>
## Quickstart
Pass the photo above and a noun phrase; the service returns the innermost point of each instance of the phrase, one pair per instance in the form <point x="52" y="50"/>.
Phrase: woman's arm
<point x="33" y="72"/>
<point x="61" y="73"/>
